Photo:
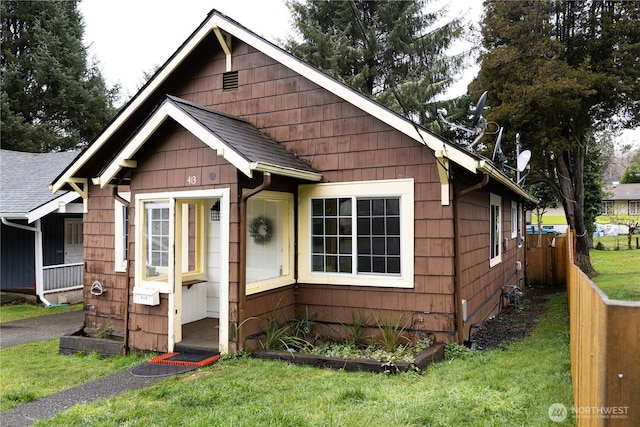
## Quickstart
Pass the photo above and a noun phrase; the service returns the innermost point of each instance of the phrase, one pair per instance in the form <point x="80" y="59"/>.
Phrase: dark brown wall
<point x="104" y="312"/>
<point x="481" y="284"/>
<point x="343" y="143"/>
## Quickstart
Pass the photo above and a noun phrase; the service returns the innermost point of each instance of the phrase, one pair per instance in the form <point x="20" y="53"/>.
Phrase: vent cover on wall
<point x="230" y="80"/>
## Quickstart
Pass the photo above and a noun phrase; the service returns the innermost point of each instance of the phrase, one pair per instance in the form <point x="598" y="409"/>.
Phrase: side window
<point x="495" y="227"/>
<point x="121" y="227"/>
<point x="514" y="219"/>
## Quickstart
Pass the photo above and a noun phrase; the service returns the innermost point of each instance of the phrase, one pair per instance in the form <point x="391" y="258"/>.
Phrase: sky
<point x="131" y="37"/>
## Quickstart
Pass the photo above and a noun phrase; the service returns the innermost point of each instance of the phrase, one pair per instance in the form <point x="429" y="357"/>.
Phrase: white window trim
<point x="514" y="219"/>
<point x="120" y="264"/>
<point x="520" y="226"/>
<point x="495" y="200"/>
<point x="286" y="225"/>
<point x="403" y="188"/>
<point x="166" y="285"/>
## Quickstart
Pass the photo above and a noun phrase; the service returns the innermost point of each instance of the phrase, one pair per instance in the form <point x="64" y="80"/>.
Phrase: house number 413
<point x="191" y="179"/>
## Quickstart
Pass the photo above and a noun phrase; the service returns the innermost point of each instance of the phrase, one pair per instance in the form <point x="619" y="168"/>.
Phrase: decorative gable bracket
<point x="225" y="42"/>
<point x="81" y="186"/>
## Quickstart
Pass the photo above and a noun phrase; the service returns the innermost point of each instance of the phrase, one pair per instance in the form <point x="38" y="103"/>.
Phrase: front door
<point x="73" y="240"/>
<point x="178" y="239"/>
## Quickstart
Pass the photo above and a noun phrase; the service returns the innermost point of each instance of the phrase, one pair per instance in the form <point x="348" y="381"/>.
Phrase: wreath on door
<point x="261" y="230"/>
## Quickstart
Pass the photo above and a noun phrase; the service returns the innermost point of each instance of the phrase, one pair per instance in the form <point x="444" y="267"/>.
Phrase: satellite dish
<point x="523" y="160"/>
<point x="479" y="108"/>
<point x="497" y="150"/>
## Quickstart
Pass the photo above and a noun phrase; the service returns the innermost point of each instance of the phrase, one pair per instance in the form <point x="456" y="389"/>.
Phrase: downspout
<point x="242" y="274"/>
<point x="457" y="254"/>
<point x="127" y="301"/>
<point x="38" y="255"/>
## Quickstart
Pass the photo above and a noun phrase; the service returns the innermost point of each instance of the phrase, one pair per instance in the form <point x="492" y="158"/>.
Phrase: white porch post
<point x="39" y="263"/>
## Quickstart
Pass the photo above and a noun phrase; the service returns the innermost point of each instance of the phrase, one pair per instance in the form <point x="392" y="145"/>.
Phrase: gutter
<point x="242" y="274"/>
<point x="457" y="244"/>
<point x="38" y="255"/>
<point x="127" y="302"/>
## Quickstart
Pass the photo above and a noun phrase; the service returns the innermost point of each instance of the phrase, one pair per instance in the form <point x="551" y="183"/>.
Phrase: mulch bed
<point x="514" y="322"/>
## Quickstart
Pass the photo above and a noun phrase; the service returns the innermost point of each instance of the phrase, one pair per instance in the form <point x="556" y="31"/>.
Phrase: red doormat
<point x="186" y="359"/>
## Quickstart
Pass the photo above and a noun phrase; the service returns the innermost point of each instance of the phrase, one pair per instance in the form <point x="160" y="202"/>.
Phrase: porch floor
<point x="201" y="335"/>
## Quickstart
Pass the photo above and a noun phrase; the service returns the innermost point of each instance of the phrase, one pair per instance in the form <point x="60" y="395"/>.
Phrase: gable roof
<point x="24" y="183"/>
<point x="623" y="192"/>
<point x="238" y="141"/>
<point x="221" y="26"/>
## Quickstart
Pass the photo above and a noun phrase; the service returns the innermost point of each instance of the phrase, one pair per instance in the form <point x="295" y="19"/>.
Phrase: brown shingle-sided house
<point x="241" y="180"/>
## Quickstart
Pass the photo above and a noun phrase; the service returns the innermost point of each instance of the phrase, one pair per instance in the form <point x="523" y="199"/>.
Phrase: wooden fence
<point x="605" y="349"/>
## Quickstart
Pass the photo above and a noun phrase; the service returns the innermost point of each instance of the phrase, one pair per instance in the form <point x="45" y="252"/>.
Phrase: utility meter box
<point x="146" y="296"/>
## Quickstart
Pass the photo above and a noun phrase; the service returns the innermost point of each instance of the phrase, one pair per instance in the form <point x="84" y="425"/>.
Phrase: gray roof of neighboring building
<point x="25" y="179"/>
<point x="623" y="192"/>
<point x="242" y="136"/>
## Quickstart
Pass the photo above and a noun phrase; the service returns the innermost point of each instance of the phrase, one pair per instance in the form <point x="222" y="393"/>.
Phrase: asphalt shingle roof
<point x="25" y="179"/>
<point x="623" y="192"/>
<point x="242" y="136"/>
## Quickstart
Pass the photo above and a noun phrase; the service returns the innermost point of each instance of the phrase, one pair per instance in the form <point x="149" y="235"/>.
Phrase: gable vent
<point x="230" y="80"/>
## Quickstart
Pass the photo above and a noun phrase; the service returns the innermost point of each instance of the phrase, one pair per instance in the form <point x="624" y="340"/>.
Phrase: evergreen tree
<point x="557" y="71"/>
<point x="384" y="49"/>
<point x="631" y="174"/>
<point x="51" y="98"/>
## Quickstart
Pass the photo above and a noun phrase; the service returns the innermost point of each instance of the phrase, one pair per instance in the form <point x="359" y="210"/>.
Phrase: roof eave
<point x="488" y="168"/>
<point x="288" y="172"/>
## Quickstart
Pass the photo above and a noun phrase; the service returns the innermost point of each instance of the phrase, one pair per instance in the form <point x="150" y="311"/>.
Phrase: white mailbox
<point x="146" y="296"/>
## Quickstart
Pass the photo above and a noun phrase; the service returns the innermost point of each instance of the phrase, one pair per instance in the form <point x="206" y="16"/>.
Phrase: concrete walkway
<point x="28" y="413"/>
<point x="40" y="328"/>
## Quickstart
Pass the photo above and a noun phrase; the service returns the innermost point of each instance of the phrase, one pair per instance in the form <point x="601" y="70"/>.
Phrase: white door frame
<point x="174" y="292"/>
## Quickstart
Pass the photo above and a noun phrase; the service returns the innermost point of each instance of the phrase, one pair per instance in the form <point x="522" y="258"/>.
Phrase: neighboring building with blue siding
<point x="41" y="233"/>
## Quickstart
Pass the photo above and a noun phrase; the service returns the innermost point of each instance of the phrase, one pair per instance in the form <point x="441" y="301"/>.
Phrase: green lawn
<point x="493" y="388"/>
<point x="35" y="370"/>
<point x="619" y="272"/>
<point x="9" y="313"/>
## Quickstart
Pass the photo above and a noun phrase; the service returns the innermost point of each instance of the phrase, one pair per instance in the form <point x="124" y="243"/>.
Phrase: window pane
<point x="331" y="226"/>
<point x="318" y="263"/>
<point x="364" y="207"/>
<point x="378" y="245"/>
<point x="377" y="207"/>
<point x="364" y="245"/>
<point x="317" y="207"/>
<point x="345" y="245"/>
<point x="377" y="226"/>
<point x="330" y="207"/>
<point x="393" y="226"/>
<point x="364" y="226"/>
<point x="345" y="264"/>
<point x="364" y="264"/>
<point x="393" y="206"/>
<point x="379" y="265"/>
<point x="318" y="245"/>
<point x="317" y="227"/>
<point x="393" y="246"/>
<point x="393" y="265"/>
<point x="332" y="264"/>
<point x="331" y="245"/>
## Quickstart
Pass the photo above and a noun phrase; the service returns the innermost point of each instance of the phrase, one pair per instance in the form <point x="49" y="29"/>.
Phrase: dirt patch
<point x="514" y="321"/>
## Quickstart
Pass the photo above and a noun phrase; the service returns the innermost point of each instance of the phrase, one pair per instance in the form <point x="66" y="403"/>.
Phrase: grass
<point x="35" y="370"/>
<point x="493" y="388"/>
<point x="618" y="273"/>
<point x="618" y="268"/>
<point x="9" y="313"/>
